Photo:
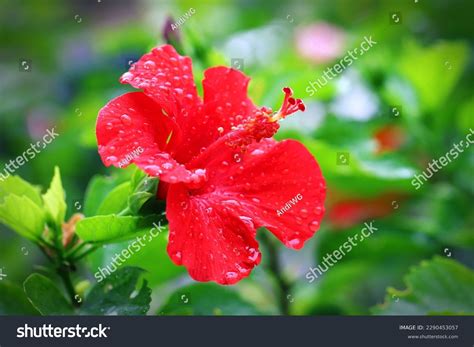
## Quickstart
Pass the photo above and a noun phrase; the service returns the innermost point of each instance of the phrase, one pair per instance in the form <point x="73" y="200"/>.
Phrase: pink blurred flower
<point x="320" y="42"/>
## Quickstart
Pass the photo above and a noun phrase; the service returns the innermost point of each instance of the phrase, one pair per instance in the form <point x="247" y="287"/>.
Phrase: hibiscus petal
<point x="279" y="185"/>
<point x="167" y="77"/>
<point x="225" y="98"/>
<point x="225" y="105"/>
<point x="209" y="238"/>
<point x="133" y="129"/>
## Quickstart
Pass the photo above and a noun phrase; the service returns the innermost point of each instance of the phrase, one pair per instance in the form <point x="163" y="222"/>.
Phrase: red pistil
<point x="290" y="105"/>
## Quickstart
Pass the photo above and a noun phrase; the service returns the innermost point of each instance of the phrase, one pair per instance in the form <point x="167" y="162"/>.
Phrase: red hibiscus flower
<point x="222" y="174"/>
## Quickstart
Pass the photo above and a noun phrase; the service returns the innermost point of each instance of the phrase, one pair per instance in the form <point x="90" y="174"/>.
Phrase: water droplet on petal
<point x="257" y="152"/>
<point x="109" y="126"/>
<point x="149" y="64"/>
<point x="255" y="200"/>
<point x="112" y="149"/>
<point x="318" y="210"/>
<point x="127" y="76"/>
<point x="173" y="179"/>
<point x="294" y="242"/>
<point x="220" y="130"/>
<point x="177" y="256"/>
<point x="237" y="158"/>
<point x="253" y="254"/>
<point x="314" y="225"/>
<point x="126" y="120"/>
<point x="231" y="276"/>
<point x="304" y="212"/>
<point x="184" y="205"/>
<point x="112" y="159"/>
<point x="167" y="166"/>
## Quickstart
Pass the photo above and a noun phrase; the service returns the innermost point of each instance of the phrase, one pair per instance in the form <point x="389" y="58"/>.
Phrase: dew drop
<point x="313" y="226"/>
<point x="257" y="152"/>
<point x="109" y="126"/>
<point x="231" y="276"/>
<point x="220" y="130"/>
<point x="237" y="158"/>
<point x="127" y="76"/>
<point x="294" y="242"/>
<point x="149" y="64"/>
<point x="112" y="159"/>
<point x="318" y="210"/>
<point x="126" y="120"/>
<point x="304" y="212"/>
<point x="253" y="254"/>
<point x="173" y="179"/>
<point x="167" y="166"/>
<point x="177" y="256"/>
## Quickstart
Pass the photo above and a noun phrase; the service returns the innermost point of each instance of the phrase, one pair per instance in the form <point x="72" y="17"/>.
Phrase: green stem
<point x="87" y="252"/>
<point x="65" y="275"/>
<point x="275" y="267"/>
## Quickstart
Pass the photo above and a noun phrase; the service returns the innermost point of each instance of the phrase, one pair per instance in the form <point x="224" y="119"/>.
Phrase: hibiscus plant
<point x="207" y="174"/>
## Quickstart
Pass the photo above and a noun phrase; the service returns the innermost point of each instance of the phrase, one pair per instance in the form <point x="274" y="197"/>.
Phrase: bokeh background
<point x="400" y="105"/>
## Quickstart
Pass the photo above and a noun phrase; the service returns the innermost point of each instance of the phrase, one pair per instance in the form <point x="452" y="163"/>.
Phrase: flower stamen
<point x="290" y="105"/>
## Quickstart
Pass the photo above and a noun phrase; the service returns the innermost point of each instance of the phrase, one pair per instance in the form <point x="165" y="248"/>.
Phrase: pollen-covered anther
<point x="290" y="105"/>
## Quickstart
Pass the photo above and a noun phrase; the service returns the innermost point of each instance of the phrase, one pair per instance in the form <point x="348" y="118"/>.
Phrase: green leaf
<point x="434" y="70"/>
<point x="127" y="196"/>
<point x="112" y="228"/>
<point x="361" y="173"/>
<point x="143" y="188"/>
<point x="45" y="296"/>
<point x="23" y="216"/>
<point x="375" y="262"/>
<point x="13" y="300"/>
<point x="440" y="286"/>
<point x="17" y="186"/>
<point x="149" y="254"/>
<point x="54" y="199"/>
<point x="98" y="189"/>
<point x="118" y="294"/>
<point x="116" y="200"/>
<point x="207" y="299"/>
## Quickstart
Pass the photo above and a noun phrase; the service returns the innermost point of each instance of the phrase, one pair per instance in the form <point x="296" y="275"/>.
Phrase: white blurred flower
<point x="354" y="99"/>
<point x="305" y="122"/>
<point x="258" y="46"/>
